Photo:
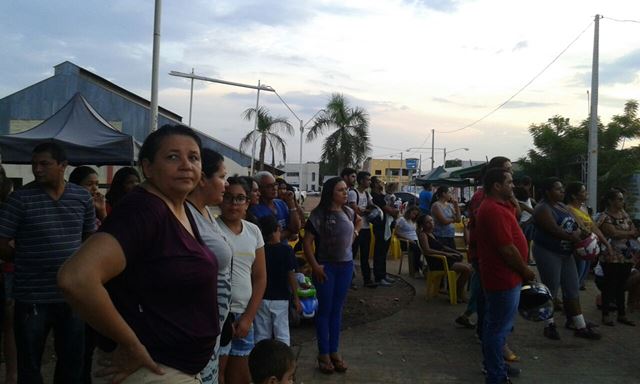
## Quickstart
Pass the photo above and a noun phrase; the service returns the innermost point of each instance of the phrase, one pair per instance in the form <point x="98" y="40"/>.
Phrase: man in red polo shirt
<point x="502" y="254"/>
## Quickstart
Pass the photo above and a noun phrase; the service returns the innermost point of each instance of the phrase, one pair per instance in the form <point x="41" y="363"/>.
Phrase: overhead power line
<point x="621" y="20"/>
<point x="520" y="90"/>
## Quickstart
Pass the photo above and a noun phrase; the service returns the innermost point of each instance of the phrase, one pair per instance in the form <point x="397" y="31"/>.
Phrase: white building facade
<point x="309" y="180"/>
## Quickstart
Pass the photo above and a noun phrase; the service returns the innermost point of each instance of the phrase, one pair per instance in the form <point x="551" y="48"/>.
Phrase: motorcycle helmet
<point x="588" y="248"/>
<point x="536" y="302"/>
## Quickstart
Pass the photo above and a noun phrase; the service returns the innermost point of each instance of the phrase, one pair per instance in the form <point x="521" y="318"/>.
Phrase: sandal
<point x="339" y="365"/>
<point x="509" y="355"/>
<point x="325" y="367"/>
<point x="625" y="321"/>
<point x="465" y="322"/>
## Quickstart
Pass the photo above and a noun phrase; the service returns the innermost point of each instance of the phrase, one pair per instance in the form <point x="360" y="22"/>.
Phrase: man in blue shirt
<point x="425" y="199"/>
<point x="284" y="209"/>
<point x="48" y="219"/>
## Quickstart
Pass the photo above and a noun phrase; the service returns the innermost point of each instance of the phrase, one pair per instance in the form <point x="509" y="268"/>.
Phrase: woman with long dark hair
<point x="208" y="193"/>
<point x="445" y="212"/>
<point x="406" y="230"/>
<point x="432" y="246"/>
<point x="617" y="263"/>
<point x="554" y="238"/>
<point x="332" y="227"/>
<point x="575" y="197"/>
<point x="248" y="279"/>
<point x="87" y="178"/>
<point x="124" y="180"/>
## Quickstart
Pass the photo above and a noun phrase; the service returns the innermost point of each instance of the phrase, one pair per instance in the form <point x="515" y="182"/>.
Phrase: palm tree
<point x="267" y="131"/>
<point x="348" y="145"/>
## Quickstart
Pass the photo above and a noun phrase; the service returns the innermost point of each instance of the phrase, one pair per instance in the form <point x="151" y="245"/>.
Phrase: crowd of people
<point x="184" y="274"/>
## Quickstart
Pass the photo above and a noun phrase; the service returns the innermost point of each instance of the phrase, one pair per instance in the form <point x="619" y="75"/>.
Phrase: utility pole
<point x="401" y="169"/>
<point x="153" y="110"/>
<point x="433" y="139"/>
<point x="592" y="170"/>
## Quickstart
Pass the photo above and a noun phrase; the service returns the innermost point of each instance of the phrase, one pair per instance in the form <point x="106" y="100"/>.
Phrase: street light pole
<point x="445" y="154"/>
<point x="191" y="98"/>
<point x="260" y="87"/>
<point x="255" y="128"/>
<point x="433" y="139"/>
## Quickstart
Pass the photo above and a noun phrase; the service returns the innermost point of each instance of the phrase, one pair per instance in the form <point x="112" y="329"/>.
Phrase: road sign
<point x="412" y="163"/>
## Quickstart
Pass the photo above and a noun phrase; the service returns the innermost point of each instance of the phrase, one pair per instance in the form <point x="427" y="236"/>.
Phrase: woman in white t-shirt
<point x="248" y="279"/>
<point x="406" y="230"/>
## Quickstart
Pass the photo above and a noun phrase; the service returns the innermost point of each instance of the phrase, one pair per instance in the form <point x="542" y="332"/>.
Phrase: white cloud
<point x="414" y="64"/>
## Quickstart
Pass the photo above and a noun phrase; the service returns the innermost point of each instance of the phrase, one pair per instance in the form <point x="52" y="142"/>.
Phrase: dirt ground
<point x="362" y="306"/>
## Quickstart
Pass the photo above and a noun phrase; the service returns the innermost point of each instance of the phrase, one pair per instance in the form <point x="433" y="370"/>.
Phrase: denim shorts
<point x="239" y="347"/>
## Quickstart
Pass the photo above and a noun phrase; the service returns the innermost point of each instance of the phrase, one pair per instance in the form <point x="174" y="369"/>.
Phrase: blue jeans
<point x="479" y="297"/>
<point x="33" y="322"/>
<point x="583" y="270"/>
<point x="474" y="289"/>
<point x="331" y="295"/>
<point x="500" y="311"/>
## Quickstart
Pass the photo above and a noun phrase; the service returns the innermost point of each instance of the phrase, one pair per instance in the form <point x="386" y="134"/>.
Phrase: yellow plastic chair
<point x="434" y="278"/>
<point x="394" y="247"/>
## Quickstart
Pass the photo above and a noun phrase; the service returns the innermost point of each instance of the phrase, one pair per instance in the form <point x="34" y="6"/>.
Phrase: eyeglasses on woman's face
<point x="234" y="199"/>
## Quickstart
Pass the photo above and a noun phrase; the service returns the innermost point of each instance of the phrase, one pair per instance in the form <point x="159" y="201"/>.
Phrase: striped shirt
<point x="46" y="233"/>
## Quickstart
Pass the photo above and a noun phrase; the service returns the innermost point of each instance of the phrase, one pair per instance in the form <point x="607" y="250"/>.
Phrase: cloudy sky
<point x="413" y="65"/>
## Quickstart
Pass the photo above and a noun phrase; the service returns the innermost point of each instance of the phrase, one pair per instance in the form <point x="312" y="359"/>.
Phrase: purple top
<point x="167" y="292"/>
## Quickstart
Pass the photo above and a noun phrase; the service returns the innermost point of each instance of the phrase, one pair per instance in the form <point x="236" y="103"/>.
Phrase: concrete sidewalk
<point x="421" y="344"/>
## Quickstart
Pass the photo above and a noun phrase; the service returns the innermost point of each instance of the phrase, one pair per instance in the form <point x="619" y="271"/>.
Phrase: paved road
<point x="421" y="344"/>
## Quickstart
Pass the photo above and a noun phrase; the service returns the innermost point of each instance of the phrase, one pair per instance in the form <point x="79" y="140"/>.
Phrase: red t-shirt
<point x="496" y="226"/>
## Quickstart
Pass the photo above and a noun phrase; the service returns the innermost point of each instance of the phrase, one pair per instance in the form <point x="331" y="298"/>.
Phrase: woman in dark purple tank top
<point x="431" y="246"/>
<point x="146" y="282"/>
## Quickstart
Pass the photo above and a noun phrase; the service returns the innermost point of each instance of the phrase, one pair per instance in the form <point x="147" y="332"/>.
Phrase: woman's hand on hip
<point x="125" y="360"/>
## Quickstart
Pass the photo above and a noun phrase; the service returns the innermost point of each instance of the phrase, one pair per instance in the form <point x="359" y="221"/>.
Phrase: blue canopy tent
<point x="440" y="176"/>
<point x="87" y="138"/>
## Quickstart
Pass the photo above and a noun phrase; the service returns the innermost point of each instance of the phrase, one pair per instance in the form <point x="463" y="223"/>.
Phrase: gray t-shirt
<point x="216" y="241"/>
<point x="362" y="201"/>
<point x="333" y="233"/>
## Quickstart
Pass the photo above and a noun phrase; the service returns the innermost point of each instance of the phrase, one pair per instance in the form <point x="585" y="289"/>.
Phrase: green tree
<point x="561" y="149"/>
<point x="348" y="145"/>
<point x="268" y="133"/>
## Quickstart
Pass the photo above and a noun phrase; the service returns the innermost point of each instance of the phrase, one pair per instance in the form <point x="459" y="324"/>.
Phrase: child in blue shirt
<point x="272" y="319"/>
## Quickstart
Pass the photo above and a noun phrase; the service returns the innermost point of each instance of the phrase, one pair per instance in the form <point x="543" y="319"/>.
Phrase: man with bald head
<point x="283" y="208"/>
